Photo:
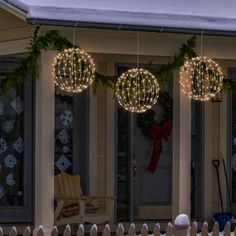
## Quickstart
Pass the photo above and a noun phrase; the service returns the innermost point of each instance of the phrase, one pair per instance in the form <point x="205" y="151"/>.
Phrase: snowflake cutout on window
<point x="7" y="126"/>
<point x="63" y="136"/>
<point x="18" y="105"/>
<point x="65" y="149"/>
<point x="2" y="192"/>
<point x="3" y="145"/>
<point x="18" y="145"/>
<point x="10" y="161"/>
<point x="62" y="163"/>
<point x="66" y="118"/>
<point x="10" y="180"/>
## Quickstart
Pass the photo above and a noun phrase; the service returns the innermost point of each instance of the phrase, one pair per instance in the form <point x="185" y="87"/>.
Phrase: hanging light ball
<point x="137" y="90"/>
<point x="73" y="70"/>
<point x="201" y="78"/>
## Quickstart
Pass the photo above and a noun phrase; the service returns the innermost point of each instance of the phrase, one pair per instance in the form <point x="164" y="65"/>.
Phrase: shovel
<point x="216" y="164"/>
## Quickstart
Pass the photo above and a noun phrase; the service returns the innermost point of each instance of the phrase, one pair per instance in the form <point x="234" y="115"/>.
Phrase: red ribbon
<point x="156" y="134"/>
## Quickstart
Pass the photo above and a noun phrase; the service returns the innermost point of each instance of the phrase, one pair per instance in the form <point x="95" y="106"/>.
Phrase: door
<point x="151" y="192"/>
<point x="142" y="194"/>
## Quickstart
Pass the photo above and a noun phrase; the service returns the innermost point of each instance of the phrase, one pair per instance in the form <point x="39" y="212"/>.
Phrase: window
<point x="232" y="136"/>
<point x="71" y="134"/>
<point x="197" y="141"/>
<point x="16" y="150"/>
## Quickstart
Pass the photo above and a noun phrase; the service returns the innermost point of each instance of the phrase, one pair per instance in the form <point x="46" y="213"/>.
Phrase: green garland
<point x="53" y="40"/>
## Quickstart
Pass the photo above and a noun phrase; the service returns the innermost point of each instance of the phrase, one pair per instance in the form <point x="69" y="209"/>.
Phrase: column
<point x="181" y="201"/>
<point x="44" y="144"/>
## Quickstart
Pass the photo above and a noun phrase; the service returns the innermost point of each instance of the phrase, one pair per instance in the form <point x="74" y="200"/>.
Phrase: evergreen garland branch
<point x="29" y="65"/>
<point x="53" y="40"/>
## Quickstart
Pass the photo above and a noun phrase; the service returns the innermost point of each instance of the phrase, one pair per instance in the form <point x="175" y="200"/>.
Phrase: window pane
<point x="11" y="149"/>
<point x="233" y="144"/>
<point x="63" y="132"/>
<point x="16" y="149"/>
<point x="71" y="134"/>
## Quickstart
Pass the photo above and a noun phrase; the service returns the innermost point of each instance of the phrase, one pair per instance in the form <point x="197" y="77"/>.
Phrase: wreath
<point x="157" y="131"/>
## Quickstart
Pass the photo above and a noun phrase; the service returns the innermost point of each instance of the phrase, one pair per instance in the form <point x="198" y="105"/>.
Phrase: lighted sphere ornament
<point x="137" y="90"/>
<point x="73" y="70"/>
<point x="201" y="78"/>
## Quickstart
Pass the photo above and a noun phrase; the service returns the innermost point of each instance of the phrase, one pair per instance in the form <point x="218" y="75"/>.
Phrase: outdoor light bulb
<point x="201" y="78"/>
<point x="73" y="70"/>
<point x="137" y="90"/>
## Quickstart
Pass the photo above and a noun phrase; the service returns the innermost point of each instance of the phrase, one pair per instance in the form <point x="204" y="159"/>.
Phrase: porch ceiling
<point x="154" y="15"/>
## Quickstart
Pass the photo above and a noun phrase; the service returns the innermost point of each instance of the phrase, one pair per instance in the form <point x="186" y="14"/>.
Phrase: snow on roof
<point x="185" y="14"/>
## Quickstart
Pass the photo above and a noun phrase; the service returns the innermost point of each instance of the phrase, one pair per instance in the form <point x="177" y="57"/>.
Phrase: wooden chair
<point x="91" y="209"/>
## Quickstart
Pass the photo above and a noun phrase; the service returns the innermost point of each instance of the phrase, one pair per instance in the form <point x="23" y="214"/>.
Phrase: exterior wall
<point x="108" y="47"/>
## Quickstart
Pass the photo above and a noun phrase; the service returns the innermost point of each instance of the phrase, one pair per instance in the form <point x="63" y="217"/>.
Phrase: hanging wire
<point x="73" y="40"/>
<point x="201" y="43"/>
<point x="137" y="49"/>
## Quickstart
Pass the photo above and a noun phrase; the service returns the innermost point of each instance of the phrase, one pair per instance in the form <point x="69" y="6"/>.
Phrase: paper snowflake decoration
<point x="2" y="192"/>
<point x="19" y="145"/>
<point x="10" y="161"/>
<point x="7" y="126"/>
<point x="18" y="105"/>
<point x="62" y="163"/>
<point x="3" y="145"/>
<point x="10" y="180"/>
<point x="66" y="118"/>
<point x="65" y="149"/>
<point x="63" y="136"/>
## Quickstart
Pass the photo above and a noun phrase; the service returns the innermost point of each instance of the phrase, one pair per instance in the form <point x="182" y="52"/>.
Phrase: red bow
<point x="156" y="133"/>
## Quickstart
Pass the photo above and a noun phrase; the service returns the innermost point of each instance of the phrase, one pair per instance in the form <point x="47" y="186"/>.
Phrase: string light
<point x="137" y="90"/>
<point x="201" y="78"/>
<point x="73" y="70"/>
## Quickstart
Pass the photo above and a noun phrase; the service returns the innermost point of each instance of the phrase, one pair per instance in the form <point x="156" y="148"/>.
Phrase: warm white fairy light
<point x="73" y="70"/>
<point x="137" y="90"/>
<point x="201" y="78"/>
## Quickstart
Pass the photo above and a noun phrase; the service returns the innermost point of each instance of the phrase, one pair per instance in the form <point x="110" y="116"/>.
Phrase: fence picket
<point x="13" y="231"/>
<point x="227" y="229"/>
<point x="39" y="231"/>
<point x="67" y="231"/>
<point x="169" y="229"/>
<point x="27" y="231"/>
<point x="54" y="231"/>
<point x="120" y="230"/>
<point x="205" y="229"/>
<point x="80" y="231"/>
<point x="215" y="230"/>
<point x="157" y="230"/>
<point x="144" y="230"/>
<point x="1" y="231"/>
<point x="94" y="230"/>
<point x="132" y="231"/>
<point x="106" y="231"/>
<point x="193" y="230"/>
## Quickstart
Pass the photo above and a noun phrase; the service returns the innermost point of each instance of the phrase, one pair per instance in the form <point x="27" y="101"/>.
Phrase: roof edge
<point x="15" y="7"/>
<point x="94" y="18"/>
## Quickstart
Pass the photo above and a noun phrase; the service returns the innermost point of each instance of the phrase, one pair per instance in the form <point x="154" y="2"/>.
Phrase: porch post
<point x="44" y="144"/>
<point x="181" y="151"/>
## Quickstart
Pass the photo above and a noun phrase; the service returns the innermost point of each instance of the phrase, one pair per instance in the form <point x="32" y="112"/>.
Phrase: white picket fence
<point x="181" y="227"/>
